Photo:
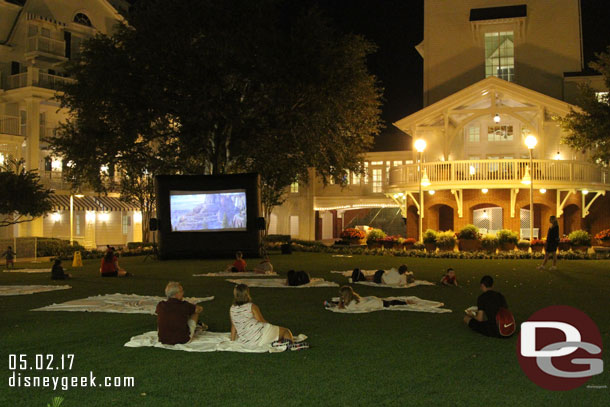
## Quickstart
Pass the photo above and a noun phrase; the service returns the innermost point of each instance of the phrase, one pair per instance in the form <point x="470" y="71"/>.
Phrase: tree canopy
<point x="206" y="87"/>
<point x="22" y="197"/>
<point x="589" y="130"/>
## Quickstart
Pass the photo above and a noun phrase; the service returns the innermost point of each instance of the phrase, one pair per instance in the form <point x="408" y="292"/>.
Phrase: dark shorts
<point x="484" y="328"/>
<point x="551" y="247"/>
<point x="377" y="276"/>
<point x="113" y="274"/>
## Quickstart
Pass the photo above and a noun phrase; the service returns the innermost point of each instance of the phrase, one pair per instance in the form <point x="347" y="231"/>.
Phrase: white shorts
<point x="270" y="333"/>
<point x="192" y="325"/>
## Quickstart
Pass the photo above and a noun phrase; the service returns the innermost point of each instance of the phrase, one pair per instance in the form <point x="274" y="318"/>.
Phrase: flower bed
<point x="603" y="238"/>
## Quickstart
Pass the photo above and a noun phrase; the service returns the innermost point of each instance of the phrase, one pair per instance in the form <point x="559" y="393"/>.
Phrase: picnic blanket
<point x="29" y="289"/>
<point x="118" y="303"/>
<point x="348" y="273"/>
<point x="205" y="342"/>
<point x="341" y="255"/>
<point x="410" y="285"/>
<point x="419" y="306"/>
<point x="27" y="271"/>
<point x="281" y="283"/>
<point x="239" y="274"/>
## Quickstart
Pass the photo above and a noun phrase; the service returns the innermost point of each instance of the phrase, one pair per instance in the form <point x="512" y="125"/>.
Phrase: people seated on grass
<point x="177" y="319"/>
<point x="110" y="266"/>
<point x="239" y="265"/>
<point x="249" y="327"/>
<point x="9" y="256"/>
<point x="297" y="278"/>
<point x="488" y="304"/>
<point x="350" y="301"/>
<point x="449" y="278"/>
<point x="57" y="271"/>
<point x="264" y="266"/>
<point x="399" y="277"/>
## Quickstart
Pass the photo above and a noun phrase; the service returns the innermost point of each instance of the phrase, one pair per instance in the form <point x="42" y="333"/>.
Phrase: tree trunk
<point x="145" y="226"/>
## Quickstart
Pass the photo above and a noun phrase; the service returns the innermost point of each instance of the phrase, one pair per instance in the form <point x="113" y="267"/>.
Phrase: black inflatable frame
<point x="178" y="245"/>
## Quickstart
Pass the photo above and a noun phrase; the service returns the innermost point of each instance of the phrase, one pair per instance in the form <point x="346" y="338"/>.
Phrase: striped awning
<point x="90" y="203"/>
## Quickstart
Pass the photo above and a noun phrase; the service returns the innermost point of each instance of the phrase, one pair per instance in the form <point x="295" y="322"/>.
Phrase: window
<point x="82" y="19"/>
<point x="500" y="55"/>
<point x="355" y="178"/>
<point x="294" y="226"/>
<point x="500" y="133"/>
<point x="376" y="162"/>
<point x="77" y="224"/>
<point x="488" y="220"/>
<point x="396" y="163"/>
<point x="377" y="180"/>
<point x="474" y="134"/>
<point x="366" y="172"/>
<point x="524" y="220"/>
<point x="294" y="187"/>
<point x="126" y="222"/>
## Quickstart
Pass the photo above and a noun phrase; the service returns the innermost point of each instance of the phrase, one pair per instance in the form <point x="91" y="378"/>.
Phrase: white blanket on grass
<point x="27" y="271"/>
<point x="118" y="303"/>
<point x="29" y="289"/>
<point x="281" y="283"/>
<point x="410" y="285"/>
<point x="204" y="342"/>
<point x="348" y="273"/>
<point x="420" y="305"/>
<point x="239" y="274"/>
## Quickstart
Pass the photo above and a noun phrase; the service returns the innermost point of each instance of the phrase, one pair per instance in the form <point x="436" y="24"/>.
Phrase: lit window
<point x="500" y="133"/>
<point x="82" y="19"/>
<point x="377" y="180"/>
<point x="396" y="163"/>
<point x="77" y="224"/>
<point x="125" y="222"/>
<point x="1" y="159"/>
<point x="500" y="55"/>
<point x="366" y="172"/>
<point x="474" y="134"/>
<point x="376" y="162"/>
<point x="355" y="178"/>
<point x="294" y="187"/>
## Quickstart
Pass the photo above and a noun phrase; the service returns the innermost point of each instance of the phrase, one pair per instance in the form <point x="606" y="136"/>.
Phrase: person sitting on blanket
<point x="394" y="277"/>
<point x="57" y="271"/>
<point x="264" y="266"/>
<point x="176" y="318"/>
<point x="110" y="266"/>
<point x="350" y="301"/>
<point x="488" y="303"/>
<point x="248" y="325"/>
<point x="449" y="278"/>
<point x="239" y="265"/>
<point x="297" y="278"/>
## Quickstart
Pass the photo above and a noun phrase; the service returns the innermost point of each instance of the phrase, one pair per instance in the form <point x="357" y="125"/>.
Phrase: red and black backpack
<point x="506" y="322"/>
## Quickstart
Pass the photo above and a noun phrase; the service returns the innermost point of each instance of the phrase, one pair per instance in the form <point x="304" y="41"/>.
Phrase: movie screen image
<point x="195" y="211"/>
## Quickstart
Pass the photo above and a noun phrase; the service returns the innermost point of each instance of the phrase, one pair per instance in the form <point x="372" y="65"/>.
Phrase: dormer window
<point x="500" y="55"/>
<point x="82" y="19"/>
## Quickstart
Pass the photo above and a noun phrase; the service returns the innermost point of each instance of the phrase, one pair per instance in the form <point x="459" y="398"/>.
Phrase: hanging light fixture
<point x="485" y="190"/>
<point x="543" y="190"/>
<point x="425" y="181"/>
<point x="485" y="215"/>
<point x="432" y="192"/>
<point x="497" y="118"/>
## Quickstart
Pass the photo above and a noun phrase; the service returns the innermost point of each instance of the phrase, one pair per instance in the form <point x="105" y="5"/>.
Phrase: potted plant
<point x="581" y="240"/>
<point x="603" y="238"/>
<point x="507" y="239"/>
<point x="418" y="246"/>
<point x="390" y="242"/>
<point x="523" y="245"/>
<point x="469" y="238"/>
<point x="489" y="243"/>
<point x="353" y="236"/>
<point x="445" y="241"/>
<point x="409" y="243"/>
<point x="565" y="243"/>
<point x="429" y="239"/>
<point x="537" y="245"/>
<point x="373" y="239"/>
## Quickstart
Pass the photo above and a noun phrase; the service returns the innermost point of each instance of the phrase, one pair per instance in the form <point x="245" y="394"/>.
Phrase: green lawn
<point x="381" y="358"/>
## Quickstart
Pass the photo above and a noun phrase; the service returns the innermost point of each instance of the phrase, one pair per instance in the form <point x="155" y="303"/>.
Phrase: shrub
<point x="489" y="242"/>
<point x="507" y="236"/>
<point x="523" y="244"/>
<point x="138" y="245"/>
<point x="469" y="232"/>
<point x="410" y="240"/>
<point x="271" y="238"/>
<point x="580" y="238"/>
<point x="429" y="236"/>
<point x="56" y="247"/>
<point x="375" y="234"/>
<point x="446" y="240"/>
<point x="537" y="242"/>
<point x="418" y="246"/>
<point x="603" y="235"/>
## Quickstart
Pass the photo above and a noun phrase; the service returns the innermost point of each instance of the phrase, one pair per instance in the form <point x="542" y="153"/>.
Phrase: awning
<point x="91" y="203"/>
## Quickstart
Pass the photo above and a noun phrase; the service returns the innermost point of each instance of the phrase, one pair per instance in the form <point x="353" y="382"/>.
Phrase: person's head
<point x="109" y="256"/>
<point x="403" y="269"/>
<point x="451" y="272"/>
<point x="241" y="294"/>
<point x="239" y="255"/>
<point x="57" y="262"/>
<point x="553" y="220"/>
<point x="348" y="295"/>
<point x="487" y="283"/>
<point x="174" y="289"/>
<point x="10" y="248"/>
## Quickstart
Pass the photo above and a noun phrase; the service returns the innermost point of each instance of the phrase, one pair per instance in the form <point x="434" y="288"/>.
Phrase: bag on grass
<point x="377" y="276"/>
<point x="506" y="322"/>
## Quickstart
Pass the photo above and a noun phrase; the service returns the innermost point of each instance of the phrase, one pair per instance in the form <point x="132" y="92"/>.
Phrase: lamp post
<point x="78" y="195"/>
<point x="420" y="146"/>
<point x="530" y="142"/>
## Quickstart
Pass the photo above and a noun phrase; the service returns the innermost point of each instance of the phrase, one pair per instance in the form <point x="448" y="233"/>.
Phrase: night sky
<point x="396" y="26"/>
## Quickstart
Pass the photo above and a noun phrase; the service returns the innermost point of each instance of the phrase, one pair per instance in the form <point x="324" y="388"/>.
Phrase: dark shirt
<point x="172" y="321"/>
<point x="57" y="273"/>
<point x="490" y="302"/>
<point x="552" y="235"/>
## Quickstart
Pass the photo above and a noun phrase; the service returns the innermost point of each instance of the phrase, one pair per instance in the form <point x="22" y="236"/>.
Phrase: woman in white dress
<point x="248" y="325"/>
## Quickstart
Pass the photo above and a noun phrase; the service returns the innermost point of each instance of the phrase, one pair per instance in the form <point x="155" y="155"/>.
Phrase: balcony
<point x="54" y="180"/>
<point x="500" y="174"/>
<point x="33" y="77"/>
<point x="46" y="49"/>
<point x="9" y="125"/>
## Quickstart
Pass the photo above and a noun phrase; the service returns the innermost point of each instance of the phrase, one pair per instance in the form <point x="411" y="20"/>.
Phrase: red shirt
<point x="108" y="267"/>
<point x="172" y="321"/>
<point x="448" y="280"/>
<point x="240" y="265"/>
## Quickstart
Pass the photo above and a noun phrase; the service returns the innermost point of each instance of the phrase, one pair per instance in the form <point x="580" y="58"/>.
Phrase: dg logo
<point x="560" y="348"/>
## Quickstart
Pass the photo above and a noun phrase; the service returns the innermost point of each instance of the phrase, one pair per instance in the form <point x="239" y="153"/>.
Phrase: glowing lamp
<point x="432" y="192"/>
<point x="425" y="181"/>
<point x="585" y="191"/>
<point x="542" y="190"/>
<point x="527" y="178"/>
<point x="103" y="217"/>
<point x="497" y="118"/>
<point x="56" y="216"/>
<point x="90" y="216"/>
<point x="531" y="141"/>
<point x="485" y="190"/>
<point x="420" y="145"/>
<point x="137" y="217"/>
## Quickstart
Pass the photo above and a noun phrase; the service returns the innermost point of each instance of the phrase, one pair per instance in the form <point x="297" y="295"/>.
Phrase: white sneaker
<point x="552" y="268"/>
<point x="540" y="267"/>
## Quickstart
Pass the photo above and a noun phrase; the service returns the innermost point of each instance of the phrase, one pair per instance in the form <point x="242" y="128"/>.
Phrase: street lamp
<point x="420" y="146"/>
<point x="78" y="195"/>
<point x="530" y="142"/>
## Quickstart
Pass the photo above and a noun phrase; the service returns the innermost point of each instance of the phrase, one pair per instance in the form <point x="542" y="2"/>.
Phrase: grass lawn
<point x="380" y="358"/>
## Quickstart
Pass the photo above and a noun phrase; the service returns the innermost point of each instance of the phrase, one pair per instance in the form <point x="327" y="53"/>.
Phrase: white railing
<point x="9" y="125"/>
<point x="33" y="77"/>
<point x="49" y="81"/>
<point x="19" y="80"/>
<point x="493" y="172"/>
<point x="47" y="45"/>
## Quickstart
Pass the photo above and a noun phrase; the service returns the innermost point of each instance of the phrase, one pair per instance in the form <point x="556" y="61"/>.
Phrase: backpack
<point x="506" y="322"/>
<point x="358" y="275"/>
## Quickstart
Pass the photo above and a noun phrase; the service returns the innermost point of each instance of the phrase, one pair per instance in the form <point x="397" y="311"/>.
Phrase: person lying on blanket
<point x="402" y="276"/>
<point x="349" y="300"/>
<point x="250" y="328"/>
<point x="239" y="265"/>
<point x="176" y="318"/>
<point x="297" y="278"/>
<point x="264" y="266"/>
